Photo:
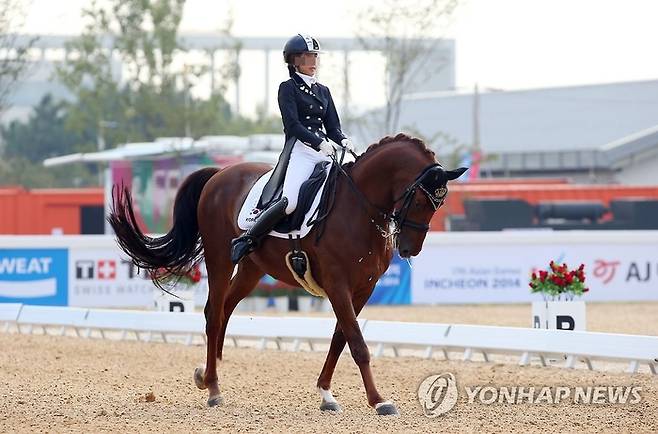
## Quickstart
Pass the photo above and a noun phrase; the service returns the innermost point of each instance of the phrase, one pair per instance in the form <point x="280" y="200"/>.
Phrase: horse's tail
<point x="171" y="256"/>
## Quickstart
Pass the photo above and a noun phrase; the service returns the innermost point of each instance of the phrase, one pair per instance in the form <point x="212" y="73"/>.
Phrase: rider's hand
<point x="327" y="149"/>
<point x="347" y="144"/>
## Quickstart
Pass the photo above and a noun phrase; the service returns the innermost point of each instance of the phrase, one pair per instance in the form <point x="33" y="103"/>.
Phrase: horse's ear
<point x="454" y="174"/>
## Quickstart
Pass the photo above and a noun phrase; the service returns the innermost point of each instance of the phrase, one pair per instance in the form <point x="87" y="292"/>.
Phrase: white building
<point x="595" y="133"/>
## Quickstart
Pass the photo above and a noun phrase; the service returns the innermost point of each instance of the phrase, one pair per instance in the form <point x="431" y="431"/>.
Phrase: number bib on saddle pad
<point x="310" y="195"/>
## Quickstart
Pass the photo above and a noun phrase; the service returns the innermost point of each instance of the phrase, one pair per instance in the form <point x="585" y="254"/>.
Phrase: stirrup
<point x="241" y="247"/>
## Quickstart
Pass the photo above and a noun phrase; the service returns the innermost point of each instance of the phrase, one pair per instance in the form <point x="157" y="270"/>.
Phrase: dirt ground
<point x="66" y="384"/>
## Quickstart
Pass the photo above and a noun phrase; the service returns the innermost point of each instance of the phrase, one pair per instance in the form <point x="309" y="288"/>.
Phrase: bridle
<point x="435" y="190"/>
<point x="436" y="195"/>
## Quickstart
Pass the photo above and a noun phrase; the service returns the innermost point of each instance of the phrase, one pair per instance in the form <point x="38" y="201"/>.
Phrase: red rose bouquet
<point x="559" y="282"/>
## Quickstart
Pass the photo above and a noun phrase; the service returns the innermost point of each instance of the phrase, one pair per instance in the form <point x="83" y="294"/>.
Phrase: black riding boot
<point x="265" y="222"/>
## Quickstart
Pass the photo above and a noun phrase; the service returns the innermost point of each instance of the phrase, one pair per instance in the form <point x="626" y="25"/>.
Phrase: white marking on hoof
<point x="382" y="404"/>
<point x="326" y="395"/>
<point x="329" y="403"/>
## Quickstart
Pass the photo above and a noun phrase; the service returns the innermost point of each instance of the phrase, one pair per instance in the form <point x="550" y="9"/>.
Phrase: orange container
<point x="45" y="211"/>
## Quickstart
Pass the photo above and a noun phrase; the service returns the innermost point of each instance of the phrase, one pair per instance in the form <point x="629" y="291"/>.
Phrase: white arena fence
<point x="468" y="340"/>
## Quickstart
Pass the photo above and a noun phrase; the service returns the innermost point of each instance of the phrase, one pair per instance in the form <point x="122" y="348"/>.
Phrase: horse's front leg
<point x="329" y="403"/>
<point x="342" y="305"/>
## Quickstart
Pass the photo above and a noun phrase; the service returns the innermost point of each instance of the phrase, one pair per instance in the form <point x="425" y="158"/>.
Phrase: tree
<point x="140" y="37"/>
<point x="126" y="87"/>
<point x="20" y="171"/>
<point x="43" y="135"/>
<point x="408" y="36"/>
<point x="152" y="98"/>
<point x="14" y="59"/>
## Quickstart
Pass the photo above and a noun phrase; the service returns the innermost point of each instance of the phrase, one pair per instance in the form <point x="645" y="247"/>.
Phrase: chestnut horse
<point x="385" y="199"/>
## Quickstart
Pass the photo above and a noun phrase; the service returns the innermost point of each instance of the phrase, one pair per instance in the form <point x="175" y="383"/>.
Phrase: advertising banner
<point x="501" y="273"/>
<point x="394" y="287"/>
<point x="106" y="278"/>
<point x="103" y="278"/>
<point x="34" y="276"/>
<point x="91" y="271"/>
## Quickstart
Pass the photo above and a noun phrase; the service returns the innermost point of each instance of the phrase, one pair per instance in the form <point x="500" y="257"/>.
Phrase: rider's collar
<point x="308" y="79"/>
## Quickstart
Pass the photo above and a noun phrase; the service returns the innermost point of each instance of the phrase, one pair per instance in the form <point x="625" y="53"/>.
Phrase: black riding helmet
<point x="299" y="44"/>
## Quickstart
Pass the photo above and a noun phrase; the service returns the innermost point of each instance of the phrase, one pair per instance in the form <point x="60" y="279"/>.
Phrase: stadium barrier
<point x="453" y="267"/>
<point x="527" y="343"/>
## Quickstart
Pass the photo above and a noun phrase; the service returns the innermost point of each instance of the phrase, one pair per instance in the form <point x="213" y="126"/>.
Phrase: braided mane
<point x="400" y="137"/>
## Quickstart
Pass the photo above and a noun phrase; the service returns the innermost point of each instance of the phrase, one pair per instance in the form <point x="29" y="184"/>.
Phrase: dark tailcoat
<point x="304" y="111"/>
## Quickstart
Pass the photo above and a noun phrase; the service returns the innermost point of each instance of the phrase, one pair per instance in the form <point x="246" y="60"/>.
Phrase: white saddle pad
<point x="246" y="217"/>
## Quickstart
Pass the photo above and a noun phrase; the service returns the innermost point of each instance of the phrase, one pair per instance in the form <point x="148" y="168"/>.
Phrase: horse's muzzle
<point x="405" y="253"/>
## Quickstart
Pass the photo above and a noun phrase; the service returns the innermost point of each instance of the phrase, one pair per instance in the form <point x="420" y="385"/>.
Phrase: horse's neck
<point x="354" y="216"/>
<point x="374" y="177"/>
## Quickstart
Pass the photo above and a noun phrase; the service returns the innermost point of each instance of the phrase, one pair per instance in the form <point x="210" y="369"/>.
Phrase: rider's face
<point x="307" y="63"/>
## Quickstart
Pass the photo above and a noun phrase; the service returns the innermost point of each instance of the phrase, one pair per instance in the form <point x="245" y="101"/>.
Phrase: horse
<point x="383" y="200"/>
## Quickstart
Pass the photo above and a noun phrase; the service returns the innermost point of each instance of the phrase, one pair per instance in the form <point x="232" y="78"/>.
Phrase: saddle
<point x="302" y="220"/>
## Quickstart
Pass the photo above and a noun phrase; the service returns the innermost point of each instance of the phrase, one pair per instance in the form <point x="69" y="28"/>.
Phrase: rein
<point x="398" y="218"/>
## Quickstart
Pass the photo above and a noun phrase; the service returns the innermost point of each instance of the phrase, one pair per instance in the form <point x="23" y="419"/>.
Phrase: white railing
<point x="429" y="337"/>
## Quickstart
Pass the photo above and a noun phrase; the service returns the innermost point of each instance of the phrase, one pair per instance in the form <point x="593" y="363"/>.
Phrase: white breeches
<point x="303" y="159"/>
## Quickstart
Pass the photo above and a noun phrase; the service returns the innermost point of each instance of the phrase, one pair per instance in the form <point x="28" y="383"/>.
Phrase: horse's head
<point x="401" y="178"/>
<point x="418" y="203"/>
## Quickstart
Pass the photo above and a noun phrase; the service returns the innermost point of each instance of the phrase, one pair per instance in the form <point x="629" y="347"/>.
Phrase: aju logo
<point x="437" y="394"/>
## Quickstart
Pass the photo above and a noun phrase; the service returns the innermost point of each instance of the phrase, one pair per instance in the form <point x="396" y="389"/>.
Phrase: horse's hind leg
<point x="242" y="284"/>
<point x="329" y="403"/>
<point x="219" y="273"/>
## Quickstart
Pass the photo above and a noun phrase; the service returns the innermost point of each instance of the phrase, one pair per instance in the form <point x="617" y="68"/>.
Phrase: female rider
<point x="306" y="106"/>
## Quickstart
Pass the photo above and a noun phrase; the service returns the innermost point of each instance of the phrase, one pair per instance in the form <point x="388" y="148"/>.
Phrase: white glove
<point x="347" y="144"/>
<point x="327" y="149"/>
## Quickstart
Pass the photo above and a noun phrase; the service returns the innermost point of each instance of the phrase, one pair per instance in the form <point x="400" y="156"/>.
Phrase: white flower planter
<point x="304" y="303"/>
<point x="164" y="302"/>
<point x="281" y="303"/>
<point x="559" y="315"/>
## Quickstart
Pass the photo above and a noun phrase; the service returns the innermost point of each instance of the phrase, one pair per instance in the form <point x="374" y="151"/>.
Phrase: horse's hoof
<point x="330" y="406"/>
<point x="198" y="378"/>
<point x="216" y="400"/>
<point x="386" y="409"/>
